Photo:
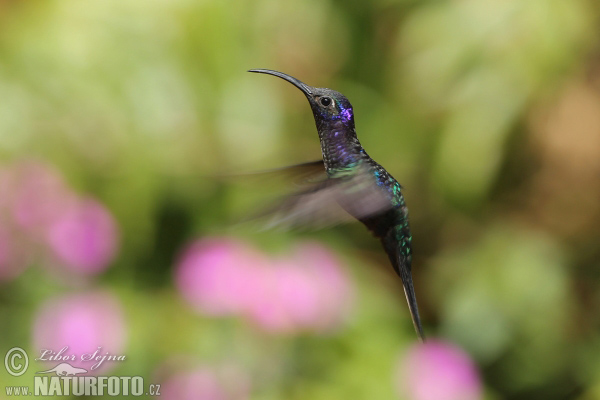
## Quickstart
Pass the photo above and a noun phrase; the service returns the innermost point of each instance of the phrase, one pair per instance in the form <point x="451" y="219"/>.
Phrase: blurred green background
<point x="487" y="112"/>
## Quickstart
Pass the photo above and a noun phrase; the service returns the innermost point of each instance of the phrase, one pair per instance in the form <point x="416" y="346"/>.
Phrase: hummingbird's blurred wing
<point x="312" y="171"/>
<point x="295" y="174"/>
<point x="328" y="201"/>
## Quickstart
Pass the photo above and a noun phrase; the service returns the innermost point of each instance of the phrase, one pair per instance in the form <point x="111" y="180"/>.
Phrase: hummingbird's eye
<point x="325" y="101"/>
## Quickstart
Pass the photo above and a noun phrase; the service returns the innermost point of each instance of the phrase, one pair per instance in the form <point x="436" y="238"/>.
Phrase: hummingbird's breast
<point x="340" y="147"/>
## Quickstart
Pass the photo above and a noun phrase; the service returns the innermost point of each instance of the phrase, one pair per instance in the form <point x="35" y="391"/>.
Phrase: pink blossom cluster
<point x="305" y="291"/>
<point x="40" y="216"/>
<point x="86" y="330"/>
<point x="438" y="370"/>
<point x="182" y="379"/>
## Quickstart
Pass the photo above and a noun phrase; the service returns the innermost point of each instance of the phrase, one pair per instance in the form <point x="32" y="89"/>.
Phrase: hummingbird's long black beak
<point x="300" y="85"/>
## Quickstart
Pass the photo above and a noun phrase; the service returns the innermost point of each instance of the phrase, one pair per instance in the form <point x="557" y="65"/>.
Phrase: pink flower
<point x="84" y="237"/>
<point x="204" y="383"/>
<point x="287" y="300"/>
<point x="84" y="323"/>
<point x="438" y="371"/>
<point x="45" y="217"/>
<point x="218" y="276"/>
<point x="305" y="292"/>
<point x="335" y="288"/>
<point x="193" y="385"/>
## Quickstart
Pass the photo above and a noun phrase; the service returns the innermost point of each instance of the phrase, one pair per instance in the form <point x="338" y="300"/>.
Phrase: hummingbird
<point x="347" y="183"/>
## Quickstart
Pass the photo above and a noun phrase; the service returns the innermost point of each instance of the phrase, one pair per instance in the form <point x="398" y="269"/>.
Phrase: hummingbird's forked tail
<point x="401" y="263"/>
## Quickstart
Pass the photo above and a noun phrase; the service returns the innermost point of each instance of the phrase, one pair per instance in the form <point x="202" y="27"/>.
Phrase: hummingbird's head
<point x="328" y="106"/>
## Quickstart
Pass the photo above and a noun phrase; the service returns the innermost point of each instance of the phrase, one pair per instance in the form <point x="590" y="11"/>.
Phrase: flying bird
<point x="347" y="183"/>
